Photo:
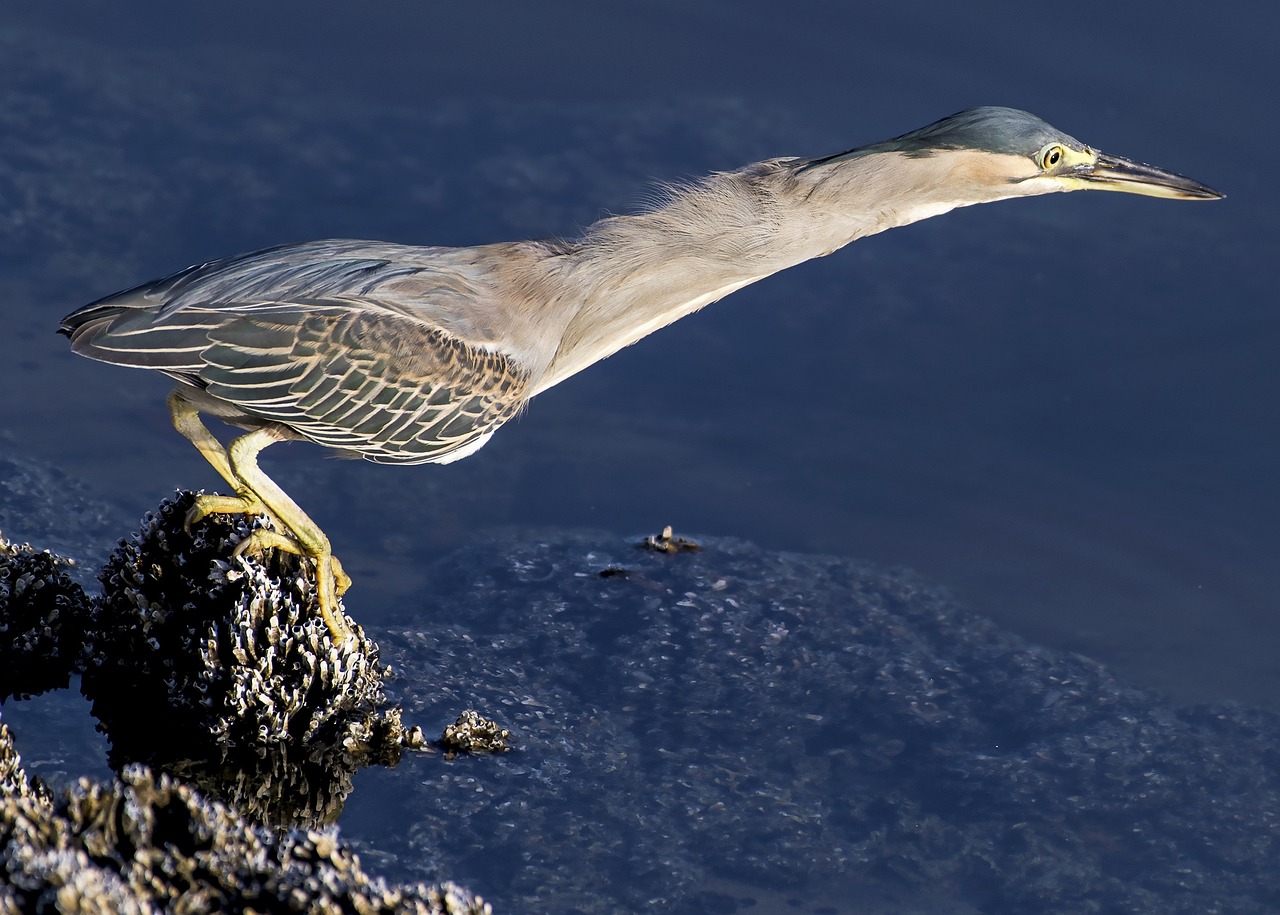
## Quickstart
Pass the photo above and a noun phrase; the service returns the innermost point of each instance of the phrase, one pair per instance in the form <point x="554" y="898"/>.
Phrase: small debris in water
<point x="667" y="542"/>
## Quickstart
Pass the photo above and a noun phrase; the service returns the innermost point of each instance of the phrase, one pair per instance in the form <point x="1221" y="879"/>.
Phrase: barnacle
<point x="149" y="842"/>
<point x="42" y="615"/>
<point x="221" y="670"/>
<point x="471" y="733"/>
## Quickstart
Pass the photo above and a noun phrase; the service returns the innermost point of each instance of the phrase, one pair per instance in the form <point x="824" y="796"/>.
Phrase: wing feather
<point x="383" y="350"/>
<point x="385" y="386"/>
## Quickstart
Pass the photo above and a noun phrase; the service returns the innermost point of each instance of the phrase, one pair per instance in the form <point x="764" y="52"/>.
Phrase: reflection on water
<point x="1062" y="409"/>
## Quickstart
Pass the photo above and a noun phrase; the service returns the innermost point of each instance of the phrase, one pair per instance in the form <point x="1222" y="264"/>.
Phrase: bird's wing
<point x="389" y="388"/>
<point x="321" y="338"/>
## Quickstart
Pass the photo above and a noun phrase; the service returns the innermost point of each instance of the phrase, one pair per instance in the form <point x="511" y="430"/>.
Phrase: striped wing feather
<point x="322" y="338"/>
<point x="390" y="388"/>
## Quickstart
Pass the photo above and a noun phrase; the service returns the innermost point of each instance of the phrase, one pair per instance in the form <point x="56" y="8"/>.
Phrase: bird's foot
<point x="327" y="593"/>
<point x="262" y="539"/>
<point x="331" y="580"/>
<point x="207" y="504"/>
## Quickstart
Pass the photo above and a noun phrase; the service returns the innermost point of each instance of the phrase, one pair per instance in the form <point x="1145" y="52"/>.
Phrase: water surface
<point x="1063" y="408"/>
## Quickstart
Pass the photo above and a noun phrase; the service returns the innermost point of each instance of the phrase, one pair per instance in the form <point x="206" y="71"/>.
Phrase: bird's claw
<point x="331" y="580"/>
<point x="261" y="539"/>
<point x="208" y="504"/>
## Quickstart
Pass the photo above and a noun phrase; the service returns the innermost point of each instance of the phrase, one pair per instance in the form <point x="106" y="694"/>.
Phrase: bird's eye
<point x="1051" y="157"/>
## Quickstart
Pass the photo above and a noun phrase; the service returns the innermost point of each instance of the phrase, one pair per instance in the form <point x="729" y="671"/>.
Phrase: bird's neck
<point x="631" y="275"/>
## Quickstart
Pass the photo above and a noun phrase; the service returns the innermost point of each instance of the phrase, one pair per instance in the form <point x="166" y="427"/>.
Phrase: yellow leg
<point x="310" y="540"/>
<point x="256" y="492"/>
<point x="186" y="419"/>
<point x="262" y="539"/>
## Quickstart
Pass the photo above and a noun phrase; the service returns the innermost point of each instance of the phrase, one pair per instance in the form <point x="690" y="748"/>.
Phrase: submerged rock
<point x="797" y="721"/>
<point x="37" y="496"/>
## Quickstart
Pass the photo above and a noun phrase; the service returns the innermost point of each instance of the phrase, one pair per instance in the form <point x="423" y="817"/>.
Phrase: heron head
<point x="1032" y="157"/>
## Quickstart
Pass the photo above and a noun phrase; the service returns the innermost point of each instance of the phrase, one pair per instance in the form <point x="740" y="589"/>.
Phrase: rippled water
<point x="1063" y="409"/>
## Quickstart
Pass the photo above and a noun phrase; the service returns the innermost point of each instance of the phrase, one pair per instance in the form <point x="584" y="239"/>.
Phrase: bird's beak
<point x="1112" y="173"/>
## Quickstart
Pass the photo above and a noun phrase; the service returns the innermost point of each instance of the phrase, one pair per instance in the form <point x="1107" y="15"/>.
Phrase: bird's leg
<point x="186" y="419"/>
<point x="307" y="538"/>
<point x="239" y="467"/>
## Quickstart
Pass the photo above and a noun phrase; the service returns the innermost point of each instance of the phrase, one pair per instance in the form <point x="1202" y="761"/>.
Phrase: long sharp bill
<point x="1112" y="173"/>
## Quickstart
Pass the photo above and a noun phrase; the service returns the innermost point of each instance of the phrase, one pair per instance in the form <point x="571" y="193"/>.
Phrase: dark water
<point x="1063" y="408"/>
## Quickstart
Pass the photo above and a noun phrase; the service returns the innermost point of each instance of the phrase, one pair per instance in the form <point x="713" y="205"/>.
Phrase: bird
<point x="404" y="354"/>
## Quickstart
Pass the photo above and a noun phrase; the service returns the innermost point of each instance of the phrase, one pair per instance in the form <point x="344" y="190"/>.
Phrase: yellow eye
<point x="1051" y="156"/>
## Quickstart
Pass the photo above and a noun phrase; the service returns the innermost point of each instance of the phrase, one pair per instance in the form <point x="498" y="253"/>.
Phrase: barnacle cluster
<point x="236" y="724"/>
<point x="226" y="662"/>
<point x="13" y="780"/>
<point x="472" y="733"/>
<point x="149" y="842"/>
<point x="42" y="615"/>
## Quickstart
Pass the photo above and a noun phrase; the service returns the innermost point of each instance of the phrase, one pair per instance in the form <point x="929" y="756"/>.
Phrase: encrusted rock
<point x="472" y="733"/>
<point x="208" y="665"/>
<point x="13" y="779"/>
<point x="42" y="618"/>
<point x="148" y="843"/>
<point x="217" y="670"/>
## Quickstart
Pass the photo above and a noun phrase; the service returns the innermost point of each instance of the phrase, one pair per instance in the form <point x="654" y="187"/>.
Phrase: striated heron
<point x="409" y="355"/>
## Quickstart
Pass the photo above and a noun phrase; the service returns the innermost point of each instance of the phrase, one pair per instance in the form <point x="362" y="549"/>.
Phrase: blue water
<point x="1063" y="408"/>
